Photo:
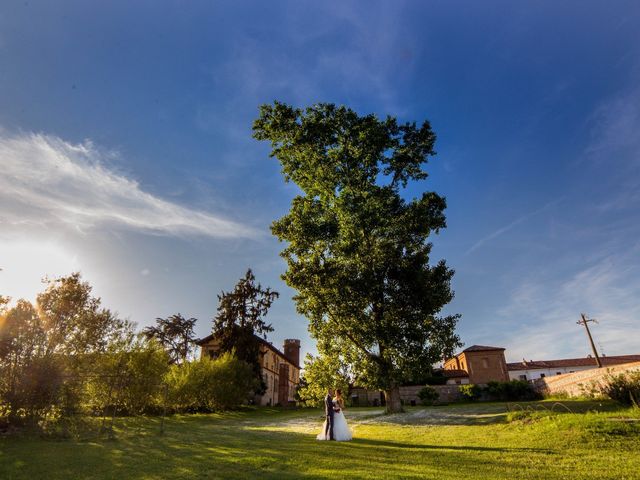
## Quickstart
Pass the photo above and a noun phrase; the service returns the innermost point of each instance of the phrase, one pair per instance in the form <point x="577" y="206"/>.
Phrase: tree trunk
<point x="392" y="399"/>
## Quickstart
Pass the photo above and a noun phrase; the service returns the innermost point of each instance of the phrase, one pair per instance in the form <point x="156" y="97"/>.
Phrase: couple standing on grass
<point x="335" y="425"/>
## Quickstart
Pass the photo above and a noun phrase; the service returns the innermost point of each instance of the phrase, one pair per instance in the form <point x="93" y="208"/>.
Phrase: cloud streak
<point x="50" y="182"/>
<point x="510" y="226"/>
<point x="543" y="312"/>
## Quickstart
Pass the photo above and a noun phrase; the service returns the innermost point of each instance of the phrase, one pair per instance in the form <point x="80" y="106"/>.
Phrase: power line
<point x="585" y="321"/>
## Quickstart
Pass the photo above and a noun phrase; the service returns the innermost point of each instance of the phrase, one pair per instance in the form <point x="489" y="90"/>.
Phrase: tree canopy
<point x="175" y="334"/>
<point x="357" y="250"/>
<point x="241" y="320"/>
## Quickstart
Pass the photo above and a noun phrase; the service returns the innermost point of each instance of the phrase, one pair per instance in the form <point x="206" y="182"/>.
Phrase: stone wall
<point x="365" y="398"/>
<point x="408" y="394"/>
<point x="446" y="393"/>
<point x="578" y="383"/>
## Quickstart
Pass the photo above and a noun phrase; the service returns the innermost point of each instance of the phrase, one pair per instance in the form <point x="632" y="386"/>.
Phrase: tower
<point x="292" y="350"/>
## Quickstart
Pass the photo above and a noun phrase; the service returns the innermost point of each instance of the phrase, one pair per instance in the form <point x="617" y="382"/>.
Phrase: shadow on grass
<point x="207" y="450"/>
<point x="229" y="446"/>
<point x="419" y="446"/>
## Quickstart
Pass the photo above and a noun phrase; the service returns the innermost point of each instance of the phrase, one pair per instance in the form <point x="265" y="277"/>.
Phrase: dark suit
<point x="328" y="412"/>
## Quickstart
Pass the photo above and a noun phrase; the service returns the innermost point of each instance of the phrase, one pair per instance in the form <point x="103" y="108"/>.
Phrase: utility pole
<point x="585" y="321"/>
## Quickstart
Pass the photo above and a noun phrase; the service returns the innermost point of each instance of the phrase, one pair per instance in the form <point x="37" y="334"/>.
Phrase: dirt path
<point x="447" y="415"/>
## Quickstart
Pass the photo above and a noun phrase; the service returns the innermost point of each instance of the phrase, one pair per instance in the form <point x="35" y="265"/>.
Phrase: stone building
<point x="477" y="364"/>
<point x="280" y="371"/>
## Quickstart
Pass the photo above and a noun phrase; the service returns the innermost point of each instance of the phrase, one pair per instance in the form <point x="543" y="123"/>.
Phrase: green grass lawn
<point x="472" y="441"/>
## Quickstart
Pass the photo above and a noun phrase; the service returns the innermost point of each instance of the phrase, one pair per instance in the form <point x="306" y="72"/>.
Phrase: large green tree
<point x="357" y="249"/>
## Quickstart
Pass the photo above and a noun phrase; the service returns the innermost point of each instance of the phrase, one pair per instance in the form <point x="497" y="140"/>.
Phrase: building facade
<point x="280" y="371"/>
<point x="535" y="369"/>
<point x="477" y="364"/>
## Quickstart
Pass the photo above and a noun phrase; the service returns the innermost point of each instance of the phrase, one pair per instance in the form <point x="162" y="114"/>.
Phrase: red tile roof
<point x="572" y="362"/>
<point x="267" y="344"/>
<point x="481" y="348"/>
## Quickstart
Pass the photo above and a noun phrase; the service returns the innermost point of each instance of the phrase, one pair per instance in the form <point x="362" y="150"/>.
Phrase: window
<point x="485" y="363"/>
<point x="558" y="373"/>
<point x="542" y="375"/>
<point x="522" y="377"/>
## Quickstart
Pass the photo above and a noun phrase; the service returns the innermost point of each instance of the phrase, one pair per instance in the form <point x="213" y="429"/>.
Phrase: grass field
<point x="473" y="441"/>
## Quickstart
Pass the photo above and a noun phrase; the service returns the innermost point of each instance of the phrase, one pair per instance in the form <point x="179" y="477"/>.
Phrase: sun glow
<point x="25" y="263"/>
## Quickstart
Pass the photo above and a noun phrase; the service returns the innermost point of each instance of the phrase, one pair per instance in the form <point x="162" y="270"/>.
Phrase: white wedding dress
<point x="341" y="431"/>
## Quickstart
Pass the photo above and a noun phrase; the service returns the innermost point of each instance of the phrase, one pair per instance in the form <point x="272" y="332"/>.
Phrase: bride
<point x="341" y="431"/>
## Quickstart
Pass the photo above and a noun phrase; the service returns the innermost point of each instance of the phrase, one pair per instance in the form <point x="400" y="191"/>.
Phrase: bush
<point x="623" y="388"/>
<point x="130" y="379"/>
<point x="428" y="395"/>
<point x="470" y="392"/>
<point x="209" y="385"/>
<point x="37" y="390"/>
<point x="511" y="391"/>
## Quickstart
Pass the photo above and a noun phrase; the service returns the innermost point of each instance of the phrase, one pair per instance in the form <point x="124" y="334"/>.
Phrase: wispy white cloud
<point x="542" y="311"/>
<point x="613" y="151"/>
<point x="510" y="226"/>
<point x="615" y="128"/>
<point x="47" y="181"/>
<point x="352" y="54"/>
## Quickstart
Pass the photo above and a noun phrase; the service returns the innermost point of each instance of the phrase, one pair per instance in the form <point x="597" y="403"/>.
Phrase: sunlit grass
<point x="475" y="441"/>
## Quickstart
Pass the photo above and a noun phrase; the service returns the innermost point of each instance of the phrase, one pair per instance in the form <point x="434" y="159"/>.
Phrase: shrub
<point x="428" y="395"/>
<point x="208" y="384"/>
<point x="129" y="379"/>
<point x="512" y="390"/>
<point x="37" y="390"/>
<point x="470" y="392"/>
<point x="623" y="388"/>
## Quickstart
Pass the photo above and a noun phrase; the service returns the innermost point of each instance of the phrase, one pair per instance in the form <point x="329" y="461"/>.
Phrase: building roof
<point x="571" y="362"/>
<point x="481" y="348"/>
<point x="267" y="344"/>
<point x="202" y="341"/>
<point x="454" y="373"/>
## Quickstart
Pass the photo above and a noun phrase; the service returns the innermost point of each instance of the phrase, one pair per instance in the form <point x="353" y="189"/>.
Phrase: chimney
<point x="292" y="350"/>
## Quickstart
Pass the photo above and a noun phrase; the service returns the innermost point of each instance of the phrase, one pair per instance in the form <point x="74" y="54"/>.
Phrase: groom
<point x="329" y="410"/>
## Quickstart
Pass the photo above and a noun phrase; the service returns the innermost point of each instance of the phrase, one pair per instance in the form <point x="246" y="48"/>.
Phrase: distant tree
<point x="320" y="374"/>
<point x="74" y="321"/>
<point x="4" y="301"/>
<point x="240" y="319"/>
<point x="78" y="329"/>
<point x="175" y="334"/>
<point x="48" y="352"/>
<point x="22" y="346"/>
<point x="358" y="249"/>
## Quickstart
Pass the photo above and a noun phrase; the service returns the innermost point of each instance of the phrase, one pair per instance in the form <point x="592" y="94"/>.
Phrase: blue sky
<point x="126" y="151"/>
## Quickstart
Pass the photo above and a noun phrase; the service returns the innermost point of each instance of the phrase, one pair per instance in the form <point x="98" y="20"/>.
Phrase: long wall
<point x="409" y="395"/>
<point x="579" y="383"/>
